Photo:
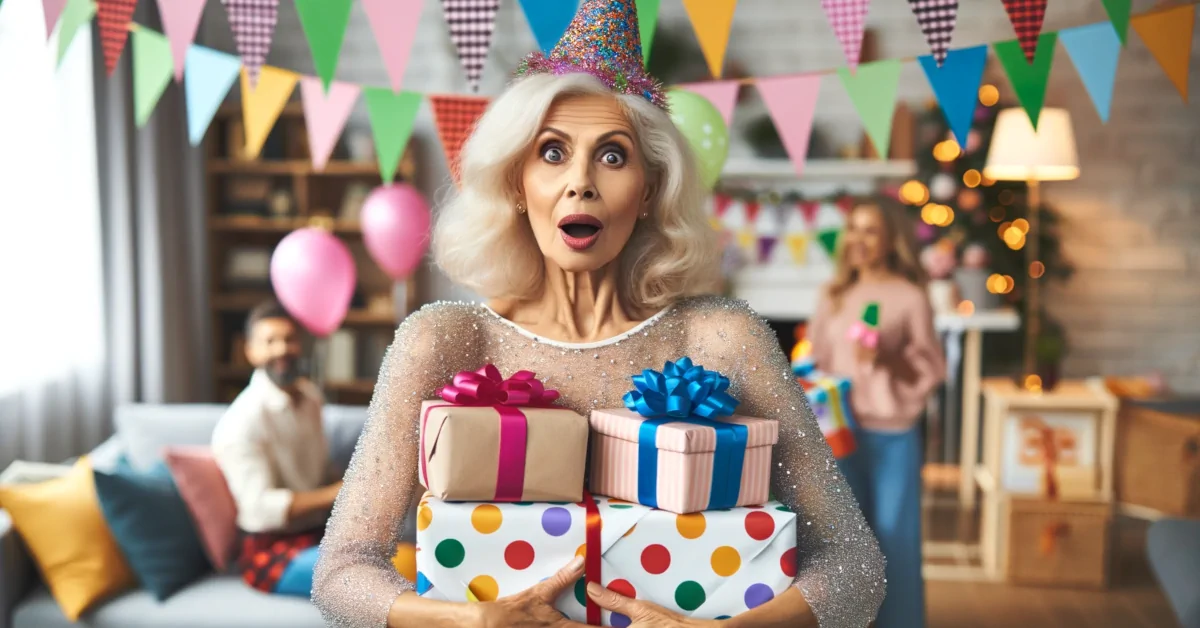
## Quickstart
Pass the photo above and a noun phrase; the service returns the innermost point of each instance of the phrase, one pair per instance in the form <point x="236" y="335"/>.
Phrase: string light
<point x="1037" y="269"/>
<point x="987" y="182"/>
<point x="1021" y="224"/>
<point x="946" y="151"/>
<point x="914" y="192"/>
<point x="996" y="214"/>
<point x="1003" y="228"/>
<point x="988" y="95"/>
<point x="1009" y="284"/>
<point x="947" y="216"/>
<point x="1014" y="238"/>
<point x="937" y="215"/>
<point x="1006" y="197"/>
<point x="972" y="178"/>
<point x="1033" y="383"/>
<point x="996" y="284"/>
<point x="966" y="308"/>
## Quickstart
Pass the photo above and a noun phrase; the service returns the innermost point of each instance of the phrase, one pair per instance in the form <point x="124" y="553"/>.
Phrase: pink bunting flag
<point x="471" y="25"/>
<point x="253" y="26"/>
<point x="180" y="19"/>
<point x="722" y="94"/>
<point x="394" y="23"/>
<point x="53" y="10"/>
<point x="792" y="101"/>
<point x="848" y="19"/>
<point x="325" y="115"/>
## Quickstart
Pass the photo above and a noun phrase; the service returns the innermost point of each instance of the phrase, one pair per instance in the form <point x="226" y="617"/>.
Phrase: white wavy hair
<point x="481" y="242"/>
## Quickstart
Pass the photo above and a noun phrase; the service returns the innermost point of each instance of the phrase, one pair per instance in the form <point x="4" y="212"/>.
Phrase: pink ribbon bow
<point x="864" y="335"/>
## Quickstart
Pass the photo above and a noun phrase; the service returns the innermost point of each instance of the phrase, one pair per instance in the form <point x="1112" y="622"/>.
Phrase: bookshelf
<point x="251" y="205"/>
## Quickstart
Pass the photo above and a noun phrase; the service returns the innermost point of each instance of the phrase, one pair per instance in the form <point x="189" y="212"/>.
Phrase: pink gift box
<point x="685" y="460"/>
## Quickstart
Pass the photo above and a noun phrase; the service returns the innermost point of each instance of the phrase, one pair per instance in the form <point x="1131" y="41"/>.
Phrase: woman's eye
<point x="613" y="158"/>
<point x="552" y="154"/>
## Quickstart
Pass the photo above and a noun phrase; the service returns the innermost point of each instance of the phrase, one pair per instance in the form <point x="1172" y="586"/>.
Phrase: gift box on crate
<point x="481" y="441"/>
<point x="704" y="565"/>
<point x="829" y="398"/>
<point x="678" y="446"/>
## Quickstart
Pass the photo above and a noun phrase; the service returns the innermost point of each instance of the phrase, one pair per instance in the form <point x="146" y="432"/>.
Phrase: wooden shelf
<point x="233" y="372"/>
<point x="281" y="226"/>
<point x="292" y="167"/>
<point x="247" y="300"/>
<point x="354" y="387"/>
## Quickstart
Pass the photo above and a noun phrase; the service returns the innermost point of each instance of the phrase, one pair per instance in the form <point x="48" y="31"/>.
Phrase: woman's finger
<point x="549" y="589"/>
<point x="612" y="600"/>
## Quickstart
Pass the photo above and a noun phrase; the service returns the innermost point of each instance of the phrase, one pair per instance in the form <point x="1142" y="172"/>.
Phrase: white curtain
<point x="52" y="347"/>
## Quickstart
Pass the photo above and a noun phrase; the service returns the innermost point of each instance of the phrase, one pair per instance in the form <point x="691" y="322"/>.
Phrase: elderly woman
<point x="580" y="218"/>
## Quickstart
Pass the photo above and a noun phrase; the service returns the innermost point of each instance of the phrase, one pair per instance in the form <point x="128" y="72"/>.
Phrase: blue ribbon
<point x="684" y="393"/>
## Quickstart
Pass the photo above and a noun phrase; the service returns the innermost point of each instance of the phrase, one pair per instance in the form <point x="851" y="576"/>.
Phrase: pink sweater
<point x="889" y="393"/>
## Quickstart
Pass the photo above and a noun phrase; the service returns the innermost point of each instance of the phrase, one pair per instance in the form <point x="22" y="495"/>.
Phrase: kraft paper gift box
<point x="495" y="439"/>
<point x="829" y="398"/>
<point x="705" y="565"/>
<point x="677" y="445"/>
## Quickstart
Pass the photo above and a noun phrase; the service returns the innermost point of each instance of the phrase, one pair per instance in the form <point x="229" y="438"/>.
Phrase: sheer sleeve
<point x="818" y="330"/>
<point x="355" y="582"/>
<point x="840" y="567"/>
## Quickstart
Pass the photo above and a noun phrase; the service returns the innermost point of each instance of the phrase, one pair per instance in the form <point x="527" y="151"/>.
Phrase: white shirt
<point x="269" y="446"/>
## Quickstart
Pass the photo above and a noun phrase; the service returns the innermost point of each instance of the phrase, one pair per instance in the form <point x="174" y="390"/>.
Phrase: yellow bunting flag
<point x="746" y="240"/>
<point x="715" y="223"/>
<point x="797" y="244"/>
<point x="262" y="105"/>
<point x="1168" y="35"/>
<point x="711" y="20"/>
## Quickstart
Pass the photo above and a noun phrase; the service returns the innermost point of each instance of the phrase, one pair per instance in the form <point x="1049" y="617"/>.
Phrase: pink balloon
<point x="313" y="275"/>
<point x="395" y="224"/>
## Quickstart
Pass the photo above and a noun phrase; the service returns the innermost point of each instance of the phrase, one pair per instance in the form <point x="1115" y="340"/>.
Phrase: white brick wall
<point x="1131" y="223"/>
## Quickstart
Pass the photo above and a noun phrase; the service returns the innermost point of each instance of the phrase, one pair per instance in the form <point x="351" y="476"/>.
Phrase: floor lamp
<point x="1021" y="153"/>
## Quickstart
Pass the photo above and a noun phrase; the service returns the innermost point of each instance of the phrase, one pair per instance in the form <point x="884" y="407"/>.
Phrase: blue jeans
<point x="885" y="475"/>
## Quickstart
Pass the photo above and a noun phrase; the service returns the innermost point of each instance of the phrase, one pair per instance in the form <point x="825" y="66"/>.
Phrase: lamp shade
<point x="1019" y="153"/>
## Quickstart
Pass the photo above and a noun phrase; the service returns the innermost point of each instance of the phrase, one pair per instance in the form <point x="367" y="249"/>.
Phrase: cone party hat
<point x="603" y="40"/>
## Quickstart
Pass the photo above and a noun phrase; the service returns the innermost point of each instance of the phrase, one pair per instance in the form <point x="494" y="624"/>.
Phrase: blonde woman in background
<point x="889" y="385"/>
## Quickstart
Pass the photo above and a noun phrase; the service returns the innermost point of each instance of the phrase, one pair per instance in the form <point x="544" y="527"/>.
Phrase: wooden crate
<point x="1158" y="460"/>
<point x="1058" y="543"/>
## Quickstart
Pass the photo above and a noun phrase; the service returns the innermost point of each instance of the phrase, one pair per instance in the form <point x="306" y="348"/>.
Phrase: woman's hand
<point x="643" y="614"/>
<point x="533" y="607"/>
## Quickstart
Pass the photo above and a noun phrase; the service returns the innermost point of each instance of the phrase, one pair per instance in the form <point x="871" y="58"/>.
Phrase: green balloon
<point x="701" y="123"/>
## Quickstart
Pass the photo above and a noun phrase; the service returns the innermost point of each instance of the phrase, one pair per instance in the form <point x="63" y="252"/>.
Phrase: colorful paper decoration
<point x="746" y="240"/>
<point x="1118" y="14"/>
<point x="1168" y="35"/>
<point x="74" y="15"/>
<point x="392" y="115"/>
<point x="647" y="11"/>
<point x="1029" y="81"/>
<point x="394" y="23"/>
<point x="937" y="19"/>
<point x="210" y="74"/>
<point x="471" y="25"/>
<point x="262" y="104"/>
<point x="180" y="19"/>
<point x="253" y="26"/>
<point x="809" y="210"/>
<point x="324" y="24"/>
<point x="873" y="91"/>
<point x="792" y="101"/>
<point x="1095" y="50"/>
<point x="326" y="109"/>
<point x="1026" y="17"/>
<point x="722" y="94"/>
<point x="956" y="85"/>
<point x="766" y="244"/>
<point x="455" y="117"/>
<point x="848" y="19"/>
<point x="797" y="244"/>
<point x="548" y="19"/>
<point x="113" y="17"/>
<point x="53" y="10"/>
<point x="829" y="240"/>
<point x="711" y="19"/>
<point x="152" y="70"/>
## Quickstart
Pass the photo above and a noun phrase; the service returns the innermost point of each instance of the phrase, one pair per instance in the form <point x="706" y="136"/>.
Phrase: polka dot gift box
<point x="705" y="565"/>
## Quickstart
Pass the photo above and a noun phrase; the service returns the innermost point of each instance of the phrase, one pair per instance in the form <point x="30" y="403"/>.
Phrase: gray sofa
<point x="142" y="430"/>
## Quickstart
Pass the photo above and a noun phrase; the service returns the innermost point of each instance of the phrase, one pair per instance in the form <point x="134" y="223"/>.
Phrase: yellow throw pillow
<point x="61" y="523"/>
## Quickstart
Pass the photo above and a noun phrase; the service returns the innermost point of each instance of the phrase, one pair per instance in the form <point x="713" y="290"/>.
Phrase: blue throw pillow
<point x="152" y="526"/>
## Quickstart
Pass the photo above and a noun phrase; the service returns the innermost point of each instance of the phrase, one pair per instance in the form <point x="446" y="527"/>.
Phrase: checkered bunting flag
<point x="936" y="18"/>
<point x="848" y="18"/>
<point x="471" y="25"/>
<point x="1026" y="17"/>
<point x="113" y="17"/>
<point x="253" y="26"/>
<point x="455" y="117"/>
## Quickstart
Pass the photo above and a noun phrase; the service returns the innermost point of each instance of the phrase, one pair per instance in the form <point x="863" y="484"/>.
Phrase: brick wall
<point x="1131" y="223"/>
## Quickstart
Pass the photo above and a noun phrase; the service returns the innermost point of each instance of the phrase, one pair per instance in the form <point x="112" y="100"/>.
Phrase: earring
<point x="520" y="207"/>
<point x="645" y="215"/>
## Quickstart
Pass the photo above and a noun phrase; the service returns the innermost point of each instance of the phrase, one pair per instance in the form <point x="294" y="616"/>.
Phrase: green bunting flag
<point x="830" y="238"/>
<point x="153" y="67"/>
<point x="1118" y="14"/>
<point x="324" y="23"/>
<point x="77" y="13"/>
<point x="647" y="11"/>
<point x="1028" y="79"/>
<point x="392" y="115"/>
<point x="872" y="89"/>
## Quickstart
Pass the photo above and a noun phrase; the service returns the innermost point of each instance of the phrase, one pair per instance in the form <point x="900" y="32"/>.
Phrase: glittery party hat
<point x="603" y="40"/>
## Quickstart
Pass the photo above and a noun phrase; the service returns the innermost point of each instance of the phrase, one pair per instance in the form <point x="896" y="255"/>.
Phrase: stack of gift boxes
<point x="676" y="510"/>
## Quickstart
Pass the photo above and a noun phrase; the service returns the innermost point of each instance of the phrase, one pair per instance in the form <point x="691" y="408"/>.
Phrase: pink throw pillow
<point x="203" y="488"/>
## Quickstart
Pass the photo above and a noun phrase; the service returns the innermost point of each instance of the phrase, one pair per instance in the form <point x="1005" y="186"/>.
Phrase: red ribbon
<point x="591" y="553"/>
<point x="486" y="387"/>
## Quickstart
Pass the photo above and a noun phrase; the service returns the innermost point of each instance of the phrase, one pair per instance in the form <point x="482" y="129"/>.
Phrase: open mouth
<point x="580" y="231"/>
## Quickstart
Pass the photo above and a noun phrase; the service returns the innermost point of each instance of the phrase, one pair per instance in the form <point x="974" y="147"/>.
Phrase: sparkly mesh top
<point x="840" y="567"/>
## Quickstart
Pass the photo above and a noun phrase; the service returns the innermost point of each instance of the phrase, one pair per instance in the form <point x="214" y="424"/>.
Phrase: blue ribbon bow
<point x="686" y="393"/>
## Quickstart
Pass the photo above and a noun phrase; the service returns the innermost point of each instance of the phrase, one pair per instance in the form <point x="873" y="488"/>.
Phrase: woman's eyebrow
<point x="554" y="131"/>
<point x="615" y="133"/>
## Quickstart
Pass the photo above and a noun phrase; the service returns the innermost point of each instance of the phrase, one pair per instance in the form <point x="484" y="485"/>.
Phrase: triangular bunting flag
<point x="548" y="19"/>
<point x="647" y="11"/>
<point x="829" y="239"/>
<point x="766" y="244"/>
<point x="180" y="19"/>
<point x="721" y="204"/>
<point x="455" y="117"/>
<point x="471" y="25"/>
<point x="752" y="208"/>
<point x="114" y="16"/>
<point x="873" y="91"/>
<point x="792" y="101"/>
<point x="1095" y="49"/>
<point x="210" y="74"/>
<point x="956" y="85"/>
<point x="324" y="24"/>
<point x="74" y="15"/>
<point x="262" y="104"/>
<point x="253" y="26"/>
<point x="1168" y="35"/>
<point x="711" y="19"/>
<point x="394" y="23"/>
<point x="809" y="210"/>
<point x="797" y="244"/>
<point x="722" y="94"/>
<point x="325" y="114"/>
<point x="848" y="18"/>
<point x="1029" y="81"/>
<point x="1026" y="17"/>
<point x="937" y="18"/>
<point x="392" y="115"/>
<point x="1118" y="14"/>
<point x="152" y="69"/>
<point x="745" y="240"/>
<point x="53" y="10"/>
